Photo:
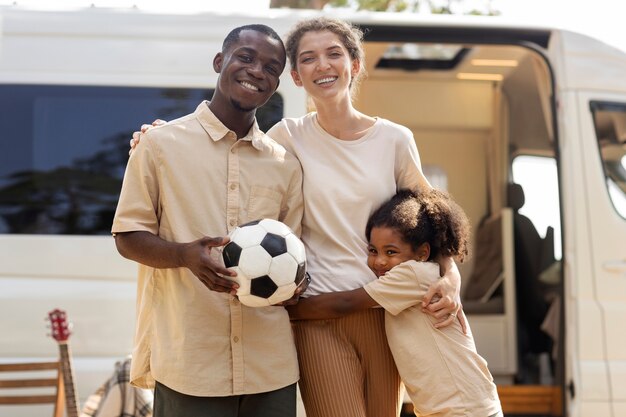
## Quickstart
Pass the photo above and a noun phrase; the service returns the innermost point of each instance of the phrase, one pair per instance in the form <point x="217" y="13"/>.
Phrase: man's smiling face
<point x="250" y="70"/>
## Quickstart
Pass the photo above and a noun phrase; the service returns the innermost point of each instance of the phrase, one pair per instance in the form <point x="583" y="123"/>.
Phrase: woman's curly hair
<point x="428" y="216"/>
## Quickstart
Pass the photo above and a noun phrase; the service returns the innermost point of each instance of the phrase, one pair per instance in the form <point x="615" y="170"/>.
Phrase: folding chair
<point x="42" y="376"/>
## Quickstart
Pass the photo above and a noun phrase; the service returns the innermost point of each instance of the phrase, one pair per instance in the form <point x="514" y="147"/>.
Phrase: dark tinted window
<point x="610" y="123"/>
<point x="64" y="149"/>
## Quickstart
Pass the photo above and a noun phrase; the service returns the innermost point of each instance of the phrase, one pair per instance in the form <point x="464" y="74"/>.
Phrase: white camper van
<point x="524" y="126"/>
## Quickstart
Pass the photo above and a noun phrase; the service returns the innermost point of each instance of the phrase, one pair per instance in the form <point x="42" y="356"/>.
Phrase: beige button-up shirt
<point x="193" y="178"/>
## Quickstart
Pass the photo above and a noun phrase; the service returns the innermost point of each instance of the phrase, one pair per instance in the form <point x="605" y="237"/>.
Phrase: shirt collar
<point x="217" y="131"/>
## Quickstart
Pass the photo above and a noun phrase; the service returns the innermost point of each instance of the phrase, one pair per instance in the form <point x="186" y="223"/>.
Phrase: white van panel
<point x="575" y="57"/>
<point x="82" y="257"/>
<point x="584" y="336"/>
<point x="606" y="246"/>
<point x="102" y="313"/>
<point x="71" y="48"/>
<point x="595" y="296"/>
<point x="619" y="408"/>
<point x="618" y="379"/>
<point x="82" y="275"/>
<point x="594" y="409"/>
<point x="594" y="385"/>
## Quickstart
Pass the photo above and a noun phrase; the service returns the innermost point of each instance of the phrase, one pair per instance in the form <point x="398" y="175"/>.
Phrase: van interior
<point x="475" y="111"/>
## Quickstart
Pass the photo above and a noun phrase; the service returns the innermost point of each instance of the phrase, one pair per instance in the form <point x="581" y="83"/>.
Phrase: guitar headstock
<point x="59" y="325"/>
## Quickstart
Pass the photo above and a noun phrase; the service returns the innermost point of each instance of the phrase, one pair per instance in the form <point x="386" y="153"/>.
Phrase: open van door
<point x="592" y="120"/>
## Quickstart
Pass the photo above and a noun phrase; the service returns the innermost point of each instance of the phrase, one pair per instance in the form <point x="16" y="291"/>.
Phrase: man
<point x="196" y="178"/>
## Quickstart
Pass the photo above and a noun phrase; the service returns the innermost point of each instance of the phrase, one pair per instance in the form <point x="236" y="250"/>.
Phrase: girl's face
<point x="324" y="67"/>
<point x="387" y="249"/>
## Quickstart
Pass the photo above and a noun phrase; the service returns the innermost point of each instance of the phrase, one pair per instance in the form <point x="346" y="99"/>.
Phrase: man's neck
<point x="238" y="121"/>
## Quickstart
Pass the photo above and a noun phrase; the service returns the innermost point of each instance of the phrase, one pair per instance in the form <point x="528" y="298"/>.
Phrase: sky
<point x="602" y="19"/>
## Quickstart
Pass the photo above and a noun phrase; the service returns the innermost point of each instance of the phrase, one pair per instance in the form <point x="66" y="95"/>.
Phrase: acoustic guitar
<point x="61" y="333"/>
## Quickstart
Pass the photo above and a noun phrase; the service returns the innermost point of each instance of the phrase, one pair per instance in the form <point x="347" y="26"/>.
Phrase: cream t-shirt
<point x="442" y="372"/>
<point x="344" y="182"/>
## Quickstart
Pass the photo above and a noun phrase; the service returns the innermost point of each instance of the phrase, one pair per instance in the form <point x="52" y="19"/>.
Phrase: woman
<point x="441" y="370"/>
<point x="352" y="163"/>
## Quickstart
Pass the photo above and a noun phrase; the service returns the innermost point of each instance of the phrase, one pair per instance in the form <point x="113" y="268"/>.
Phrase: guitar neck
<point x="71" y="397"/>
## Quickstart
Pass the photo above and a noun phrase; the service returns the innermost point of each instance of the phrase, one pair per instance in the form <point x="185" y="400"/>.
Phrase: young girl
<point x="440" y="368"/>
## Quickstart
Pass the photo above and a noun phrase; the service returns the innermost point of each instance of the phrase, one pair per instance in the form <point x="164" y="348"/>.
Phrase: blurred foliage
<point x="435" y="6"/>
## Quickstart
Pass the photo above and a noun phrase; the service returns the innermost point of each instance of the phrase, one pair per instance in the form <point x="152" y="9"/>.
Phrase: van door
<point x="600" y="237"/>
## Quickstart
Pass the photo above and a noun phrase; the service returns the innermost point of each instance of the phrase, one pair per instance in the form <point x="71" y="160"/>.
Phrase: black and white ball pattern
<point x="269" y="259"/>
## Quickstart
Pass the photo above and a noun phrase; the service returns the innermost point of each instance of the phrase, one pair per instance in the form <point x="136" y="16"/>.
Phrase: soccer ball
<point x="269" y="260"/>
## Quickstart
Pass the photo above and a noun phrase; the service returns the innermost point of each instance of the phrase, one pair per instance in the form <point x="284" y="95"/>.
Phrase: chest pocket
<point x="264" y="203"/>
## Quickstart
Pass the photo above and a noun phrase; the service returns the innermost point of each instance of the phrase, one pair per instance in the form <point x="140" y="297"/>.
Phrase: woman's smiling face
<point x="324" y="67"/>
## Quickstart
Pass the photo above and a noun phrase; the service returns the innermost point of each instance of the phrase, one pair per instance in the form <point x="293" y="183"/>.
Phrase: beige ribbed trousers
<point x="346" y="368"/>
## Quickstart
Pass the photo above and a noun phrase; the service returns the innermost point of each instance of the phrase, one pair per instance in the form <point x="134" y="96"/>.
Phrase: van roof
<point x="579" y="61"/>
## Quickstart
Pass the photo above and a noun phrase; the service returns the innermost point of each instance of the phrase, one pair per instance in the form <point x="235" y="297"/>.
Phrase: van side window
<point x="537" y="176"/>
<point x="64" y="150"/>
<point x="436" y="176"/>
<point x="610" y="124"/>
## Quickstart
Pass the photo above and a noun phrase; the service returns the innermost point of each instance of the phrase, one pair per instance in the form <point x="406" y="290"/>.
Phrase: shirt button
<point x="235" y="339"/>
<point x="233" y="186"/>
<point x="232" y="222"/>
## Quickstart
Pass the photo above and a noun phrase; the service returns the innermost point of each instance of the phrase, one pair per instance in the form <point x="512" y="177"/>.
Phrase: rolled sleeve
<point x="138" y="206"/>
<point x="403" y="286"/>
<point x="408" y="171"/>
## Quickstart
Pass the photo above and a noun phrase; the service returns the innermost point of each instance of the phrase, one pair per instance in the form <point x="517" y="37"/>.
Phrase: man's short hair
<point x="233" y="36"/>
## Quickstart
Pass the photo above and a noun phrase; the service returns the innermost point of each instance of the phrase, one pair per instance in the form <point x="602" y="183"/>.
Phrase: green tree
<point x="300" y="4"/>
<point x="435" y="6"/>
